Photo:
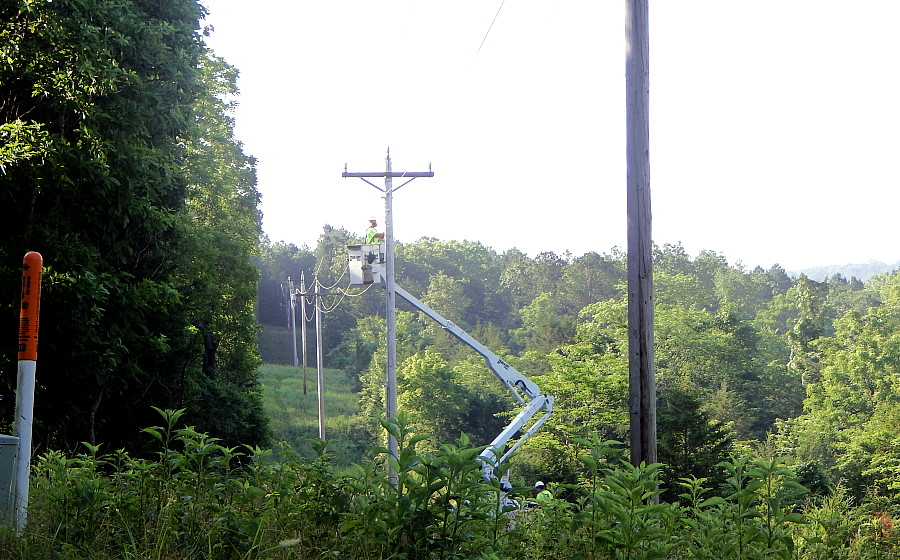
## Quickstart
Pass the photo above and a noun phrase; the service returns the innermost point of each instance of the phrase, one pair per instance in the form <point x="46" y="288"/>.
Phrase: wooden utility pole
<point x="390" y="314"/>
<point x="293" y="321"/>
<point x="303" y="326"/>
<point x="320" y="361"/>
<point x="642" y="376"/>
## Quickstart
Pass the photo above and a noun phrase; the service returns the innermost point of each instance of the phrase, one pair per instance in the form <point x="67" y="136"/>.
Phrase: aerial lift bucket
<point x="366" y="264"/>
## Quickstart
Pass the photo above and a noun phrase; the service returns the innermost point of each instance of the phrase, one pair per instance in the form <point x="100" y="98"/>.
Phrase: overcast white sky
<point x="773" y="123"/>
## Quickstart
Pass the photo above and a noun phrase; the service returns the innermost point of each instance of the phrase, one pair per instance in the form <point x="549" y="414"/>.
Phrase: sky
<point x="774" y="124"/>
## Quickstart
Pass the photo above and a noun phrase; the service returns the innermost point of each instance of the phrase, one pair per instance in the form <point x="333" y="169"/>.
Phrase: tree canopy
<point x="744" y="357"/>
<point x="119" y="165"/>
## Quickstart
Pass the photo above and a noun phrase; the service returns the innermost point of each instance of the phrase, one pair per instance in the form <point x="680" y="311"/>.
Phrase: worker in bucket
<point x="372" y="235"/>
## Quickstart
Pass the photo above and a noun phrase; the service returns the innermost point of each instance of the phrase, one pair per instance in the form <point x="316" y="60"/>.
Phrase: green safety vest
<point x="370" y="235"/>
<point x="544" y="497"/>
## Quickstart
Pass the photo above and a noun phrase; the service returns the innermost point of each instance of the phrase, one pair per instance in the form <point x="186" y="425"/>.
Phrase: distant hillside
<point x="859" y="271"/>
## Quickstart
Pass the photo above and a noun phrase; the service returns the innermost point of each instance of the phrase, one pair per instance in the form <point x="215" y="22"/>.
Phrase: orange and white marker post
<point x="32" y="267"/>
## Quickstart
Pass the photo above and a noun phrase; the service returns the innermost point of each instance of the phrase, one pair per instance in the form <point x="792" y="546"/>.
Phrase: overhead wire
<point x="318" y="301"/>
<point x="322" y="305"/>
<point x="348" y="294"/>
<point x="490" y="27"/>
<point x="318" y="287"/>
<point x="344" y="273"/>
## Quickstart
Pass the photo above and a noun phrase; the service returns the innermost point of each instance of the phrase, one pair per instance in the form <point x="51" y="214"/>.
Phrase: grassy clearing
<point x="294" y="415"/>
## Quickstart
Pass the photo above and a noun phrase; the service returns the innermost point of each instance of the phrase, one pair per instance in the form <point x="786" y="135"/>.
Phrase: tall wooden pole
<point x="303" y="327"/>
<point x="320" y="361"/>
<point x="390" y="310"/>
<point x="293" y="321"/>
<point x="642" y="376"/>
<point x="389" y="293"/>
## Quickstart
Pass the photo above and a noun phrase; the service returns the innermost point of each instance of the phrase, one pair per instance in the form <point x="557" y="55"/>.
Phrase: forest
<point x="745" y="359"/>
<point x="777" y="394"/>
<point x="119" y="165"/>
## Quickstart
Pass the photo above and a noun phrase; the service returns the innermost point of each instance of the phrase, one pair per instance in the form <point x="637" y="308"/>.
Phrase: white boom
<point x="365" y="262"/>
<point x="523" y="389"/>
<point x="365" y="267"/>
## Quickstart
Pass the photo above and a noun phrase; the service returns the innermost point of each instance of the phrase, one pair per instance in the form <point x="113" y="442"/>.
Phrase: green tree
<point x="430" y="394"/>
<point x="475" y="267"/>
<point x="850" y="295"/>
<point x="490" y="402"/>
<point x="547" y="271"/>
<point x="544" y="325"/>
<point x="277" y="262"/>
<point x="331" y="255"/>
<point x="515" y="279"/>
<point x="850" y="423"/>
<point x="222" y="239"/>
<point x="672" y="259"/>
<point x="745" y="293"/>
<point x="589" y="380"/>
<point x="682" y="289"/>
<point x="779" y="315"/>
<point x="330" y="280"/>
<point x="813" y="321"/>
<point x="102" y="106"/>
<point x="861" y="362"/>
<point x="690" y="443"/>
<point x="591" y="391"/>
<point x="411" y="340"/>
<point x="591" y="278"/>
<point x="778" y="279"/>
<point x="446" y="295"/>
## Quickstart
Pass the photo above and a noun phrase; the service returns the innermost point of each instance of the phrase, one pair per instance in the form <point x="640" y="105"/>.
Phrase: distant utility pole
<point x="642" y="377"/>
<point x="320" y="361"/>
<point x="390" y="316"/>
<point x="317" y="292"/>
<point x="293" y="321"/>
<point x="303" y="325"/>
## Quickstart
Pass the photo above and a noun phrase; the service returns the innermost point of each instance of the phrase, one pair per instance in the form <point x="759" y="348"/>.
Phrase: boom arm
<point x="523" y="389"/>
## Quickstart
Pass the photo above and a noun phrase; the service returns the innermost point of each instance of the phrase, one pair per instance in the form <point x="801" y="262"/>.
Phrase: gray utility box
<point x="9" y="446"/>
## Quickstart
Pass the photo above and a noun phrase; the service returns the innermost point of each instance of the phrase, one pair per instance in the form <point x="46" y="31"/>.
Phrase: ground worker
<point x="544" y="496"/>
<point x="372" y="235"/>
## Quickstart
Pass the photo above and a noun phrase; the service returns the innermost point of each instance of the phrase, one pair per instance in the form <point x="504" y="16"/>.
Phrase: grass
<point x="294" y="415"/>
<point x="294" y="412"/>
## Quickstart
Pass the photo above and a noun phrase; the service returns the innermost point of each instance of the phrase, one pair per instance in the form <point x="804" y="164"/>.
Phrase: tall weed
<point x="200" y="500"/>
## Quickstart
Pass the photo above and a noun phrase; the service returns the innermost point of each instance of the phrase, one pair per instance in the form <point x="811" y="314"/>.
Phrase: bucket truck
<point x="366" y="268"/>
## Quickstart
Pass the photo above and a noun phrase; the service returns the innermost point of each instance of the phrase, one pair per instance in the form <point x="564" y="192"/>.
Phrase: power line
<point x="490" y="27"/>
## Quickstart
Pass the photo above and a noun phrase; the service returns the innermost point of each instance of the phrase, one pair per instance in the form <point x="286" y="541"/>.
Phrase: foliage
<point x="427" y="385"/>
<point x="591" y="398"/>
<point x="850" y="423"/>
<point x="119" y="165"/>
<point x="690" y="443"/>
<point x="748" y="346"/>
<point x="196" y="498"/>
<point x="544" y="326"/>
